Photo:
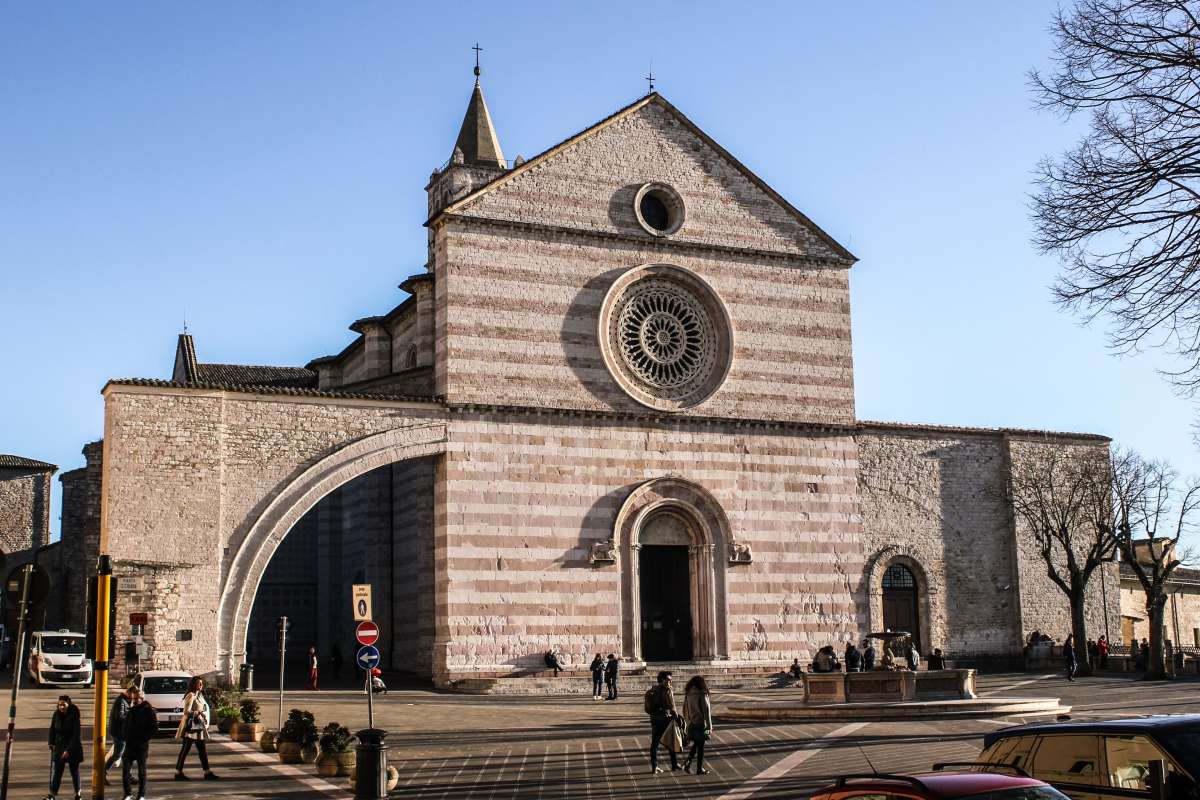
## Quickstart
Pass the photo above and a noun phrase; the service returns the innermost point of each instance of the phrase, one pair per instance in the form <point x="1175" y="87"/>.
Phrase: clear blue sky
<point x="260" y="167"/>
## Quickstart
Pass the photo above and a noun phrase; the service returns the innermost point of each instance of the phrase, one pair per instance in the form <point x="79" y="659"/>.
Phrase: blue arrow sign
<point x="368" y="657"/>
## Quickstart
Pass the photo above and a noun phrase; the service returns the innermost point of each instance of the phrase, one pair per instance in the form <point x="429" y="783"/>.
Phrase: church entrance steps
<point x="929" y="709"/>
<point x="635" y="677"/>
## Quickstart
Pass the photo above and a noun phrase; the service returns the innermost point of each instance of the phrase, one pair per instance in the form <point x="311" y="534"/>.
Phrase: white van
<point x="58" y="658"/>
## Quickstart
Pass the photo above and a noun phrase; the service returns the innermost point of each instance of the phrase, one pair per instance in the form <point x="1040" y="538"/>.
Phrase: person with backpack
<point x="611" y="670"/>
<point x="597" y="668"/>
<point x="138" y="728"/>
<point x="116" y="728"/>
<point x="659" y="703"/>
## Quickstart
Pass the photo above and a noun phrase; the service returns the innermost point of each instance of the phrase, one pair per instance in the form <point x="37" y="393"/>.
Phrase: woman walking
<point x="697" y="715"/>
<point x="66" y="751"/>
<point x="313" y="668"/>
<point x="193" y="729"/>
<point x="597" y="677"/>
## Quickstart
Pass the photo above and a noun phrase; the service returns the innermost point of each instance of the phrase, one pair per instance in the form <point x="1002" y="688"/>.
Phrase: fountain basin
<point x="824" y="688"/>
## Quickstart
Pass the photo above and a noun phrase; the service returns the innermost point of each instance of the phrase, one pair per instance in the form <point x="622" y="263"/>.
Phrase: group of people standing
<point x="132" y="722"/>
<point x="604" y="674"/>
<point x="855" y="659"/>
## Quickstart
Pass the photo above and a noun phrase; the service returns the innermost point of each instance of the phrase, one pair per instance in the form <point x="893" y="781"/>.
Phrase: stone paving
<point x="450" y="746"/>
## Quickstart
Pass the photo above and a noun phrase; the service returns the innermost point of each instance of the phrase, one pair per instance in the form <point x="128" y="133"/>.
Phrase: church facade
<point x="615" y="414"/>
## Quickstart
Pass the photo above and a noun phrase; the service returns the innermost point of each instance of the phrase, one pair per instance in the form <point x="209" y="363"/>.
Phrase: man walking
<point x="611" y="670"/>
<point x="314" y="665"/>
<point x="116" y="727"/>
<point x="1069" y="657"/>
<point x="660" y="705"/>
<point x="141" y="723"/>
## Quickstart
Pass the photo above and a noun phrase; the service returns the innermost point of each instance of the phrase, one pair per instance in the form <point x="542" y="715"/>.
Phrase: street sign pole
<point x="18" y="661"/>
<point x="370" y="702"/>
<point x="283" y="623"/>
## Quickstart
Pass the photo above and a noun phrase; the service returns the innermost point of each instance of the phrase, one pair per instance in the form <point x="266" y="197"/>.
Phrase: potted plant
<point x="226" y="716"/>
<point x="248" y="728"/>
<point x="299" y="734"/>
<point x="337" y="751"/>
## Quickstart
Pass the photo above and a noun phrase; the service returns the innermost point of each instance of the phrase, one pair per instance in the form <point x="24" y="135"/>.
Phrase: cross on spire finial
<point x="650" y="78"/>
<point x="477" y="50"/>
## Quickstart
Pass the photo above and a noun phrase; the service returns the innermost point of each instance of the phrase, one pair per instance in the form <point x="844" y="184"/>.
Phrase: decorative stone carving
<point x="665" y="337"/>
<point x="739" y="553"/>
<point x="604" y="552"/>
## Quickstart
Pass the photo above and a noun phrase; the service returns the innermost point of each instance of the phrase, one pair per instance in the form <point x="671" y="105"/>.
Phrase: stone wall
<point x="409" y="647"/>
<point x="24" y="511"/>
<point x="1182" y="613"/>
<point x="78" y="551"/>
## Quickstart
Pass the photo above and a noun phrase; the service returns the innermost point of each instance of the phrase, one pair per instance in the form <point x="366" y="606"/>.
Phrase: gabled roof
<point x="633" y="107"/>
<point x="20" y="462"/>
<point x="188" y="370"/>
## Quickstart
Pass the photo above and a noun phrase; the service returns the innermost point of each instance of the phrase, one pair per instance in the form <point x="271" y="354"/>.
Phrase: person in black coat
<point x="597" y="668"/>
<point x="65" y="748"/>
<point x="611" y="670"/>
<point x="141" y="723"/>
<point x="853" y="658"/>
<point x="116" y="729"/>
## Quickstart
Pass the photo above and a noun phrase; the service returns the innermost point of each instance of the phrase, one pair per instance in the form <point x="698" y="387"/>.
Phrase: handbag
<point x="672" y="738"/>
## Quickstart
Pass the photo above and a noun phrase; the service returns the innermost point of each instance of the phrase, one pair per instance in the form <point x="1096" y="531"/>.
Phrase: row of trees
<point x="1084" y="506"/>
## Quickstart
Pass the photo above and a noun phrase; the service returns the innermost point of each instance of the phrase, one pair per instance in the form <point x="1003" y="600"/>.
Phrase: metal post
<point x="18" y="662"/>
<point x="100" y="675"/>
<point x="282" y="648"/>
<point x="370" y="700"/>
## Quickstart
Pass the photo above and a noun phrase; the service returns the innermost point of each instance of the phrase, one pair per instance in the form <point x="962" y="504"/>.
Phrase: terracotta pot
<point x="309" y="753"/>
<point x="393" y="777"/>
<point x="327" y="765"/>
<point x="225" y="724"/>
<point x="289" y="752"/>
<point x="267" y="741"/>
<point x="247" y="732"/>
<point x="347" y="761"/>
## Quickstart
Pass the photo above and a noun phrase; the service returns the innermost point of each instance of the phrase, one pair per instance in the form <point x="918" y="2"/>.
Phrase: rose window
<point x="665" y="337"/>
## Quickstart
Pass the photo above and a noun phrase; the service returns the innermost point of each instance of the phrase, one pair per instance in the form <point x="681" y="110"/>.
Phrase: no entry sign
<point x="367" y="633"/>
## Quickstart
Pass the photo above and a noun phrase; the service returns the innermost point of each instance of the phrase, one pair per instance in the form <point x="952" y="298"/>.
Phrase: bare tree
<point x="1057" y="497"/>
<point x="1122" y="208"/>
<point x="1151" y="510"/>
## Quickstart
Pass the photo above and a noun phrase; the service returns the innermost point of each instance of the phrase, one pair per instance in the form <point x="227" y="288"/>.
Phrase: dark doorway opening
<point x="900" y="610"/>
<point x="665" y="577"/>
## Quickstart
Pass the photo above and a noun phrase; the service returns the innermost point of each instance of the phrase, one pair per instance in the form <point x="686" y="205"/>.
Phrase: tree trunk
<point x="1156" y="666"/>
<point x="1079" y="628"/>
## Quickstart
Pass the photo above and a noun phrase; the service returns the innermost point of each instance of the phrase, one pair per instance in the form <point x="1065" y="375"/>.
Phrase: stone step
<point x="787" y="711"/>
<point x="629" y="683"/>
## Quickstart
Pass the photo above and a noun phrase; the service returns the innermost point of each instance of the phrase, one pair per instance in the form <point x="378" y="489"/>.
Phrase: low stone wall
<point x="887" y="686"/>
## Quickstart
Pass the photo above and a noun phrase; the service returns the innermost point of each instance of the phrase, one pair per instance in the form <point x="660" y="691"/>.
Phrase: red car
<point x="941" y="785"/>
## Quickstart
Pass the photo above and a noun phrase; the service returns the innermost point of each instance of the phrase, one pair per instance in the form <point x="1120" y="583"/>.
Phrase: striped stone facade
<point x="523" y="483"/>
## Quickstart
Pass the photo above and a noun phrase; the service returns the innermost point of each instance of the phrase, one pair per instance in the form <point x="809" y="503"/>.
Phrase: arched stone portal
<point x="672" y="512"/>
<point x="240" y="584"/>
<point x="908" y="578"/>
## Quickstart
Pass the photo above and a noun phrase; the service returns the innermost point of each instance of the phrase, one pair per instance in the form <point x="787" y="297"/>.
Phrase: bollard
<point x="370" y="782"/>
<point x="246" y="678"/>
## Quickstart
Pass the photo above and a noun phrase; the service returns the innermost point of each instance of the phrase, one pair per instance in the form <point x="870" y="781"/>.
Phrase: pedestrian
<point x="937" y="661"/>
<point x="193" y="729"/>
<point x="1069" y="656"/>
<point x="313" y="669"/>
<point x="377" y="684"/>
<point x="116" y="728"/>
<point x="336" y="661"/>
<point x="1142" y="661"/>
<point x="597" y="677"/>
<point x="853" y="658"/>
<point x="796" y="670"/>
<point x="1102" y="651"/>
<point x="611" y="671"/>
<point x="1092" y="651"/>
<point x="912" y="657"/>
<point x="868" y="655"/>
<point x="697" y="715"/>
<point x="139" y="727"/>
<point x="66" y="751"/>
<point x="551" y="659"/>
<point x="660" y="705"/>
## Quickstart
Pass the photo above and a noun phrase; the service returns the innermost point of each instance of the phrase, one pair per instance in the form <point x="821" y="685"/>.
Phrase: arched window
<point x="410" y="358"/>
<point x="898" y="577"/>
<point x="901" y="606"/>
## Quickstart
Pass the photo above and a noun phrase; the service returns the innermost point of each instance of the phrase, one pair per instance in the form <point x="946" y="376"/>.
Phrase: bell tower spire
<point x="477" y="140"/>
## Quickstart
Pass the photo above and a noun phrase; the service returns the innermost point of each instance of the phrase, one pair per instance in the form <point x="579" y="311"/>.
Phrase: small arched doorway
<point x="900" y="601"/>
<point x="667" y="543"/>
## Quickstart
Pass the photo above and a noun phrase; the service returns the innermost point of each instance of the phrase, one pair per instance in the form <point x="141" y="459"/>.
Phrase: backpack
<point x="653" y="701"/>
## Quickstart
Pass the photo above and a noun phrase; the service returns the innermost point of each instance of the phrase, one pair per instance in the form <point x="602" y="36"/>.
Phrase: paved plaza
<point x="452" y="746"/>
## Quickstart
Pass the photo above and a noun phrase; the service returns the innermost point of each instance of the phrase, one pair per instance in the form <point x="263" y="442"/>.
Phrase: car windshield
<point x="1018" y="793"/>
<point x="165" y="685"/>
<point x="1184" y="745"/>
<point x="69" y="645"/>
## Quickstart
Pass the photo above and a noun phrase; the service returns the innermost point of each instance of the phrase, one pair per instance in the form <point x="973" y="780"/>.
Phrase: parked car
<point x="164" y="690"/>
<point x="58" y="658"/>
<point x="976" y="782"/>
<point x="1109" y="760"/>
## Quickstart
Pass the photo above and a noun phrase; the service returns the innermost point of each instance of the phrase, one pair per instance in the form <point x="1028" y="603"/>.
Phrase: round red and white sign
<point x="367" y="633"/>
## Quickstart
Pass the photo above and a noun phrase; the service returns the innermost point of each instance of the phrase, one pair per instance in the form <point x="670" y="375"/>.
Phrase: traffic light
<point x="91" y="617"/>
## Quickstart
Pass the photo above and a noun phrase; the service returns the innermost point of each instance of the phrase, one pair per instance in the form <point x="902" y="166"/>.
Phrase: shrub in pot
<point x="337" y="751"/>
<point x="267" y="741"/>
<point x="226" y="716"/>
<point x="248" y="728"/>
<point x="299" y="733"/>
